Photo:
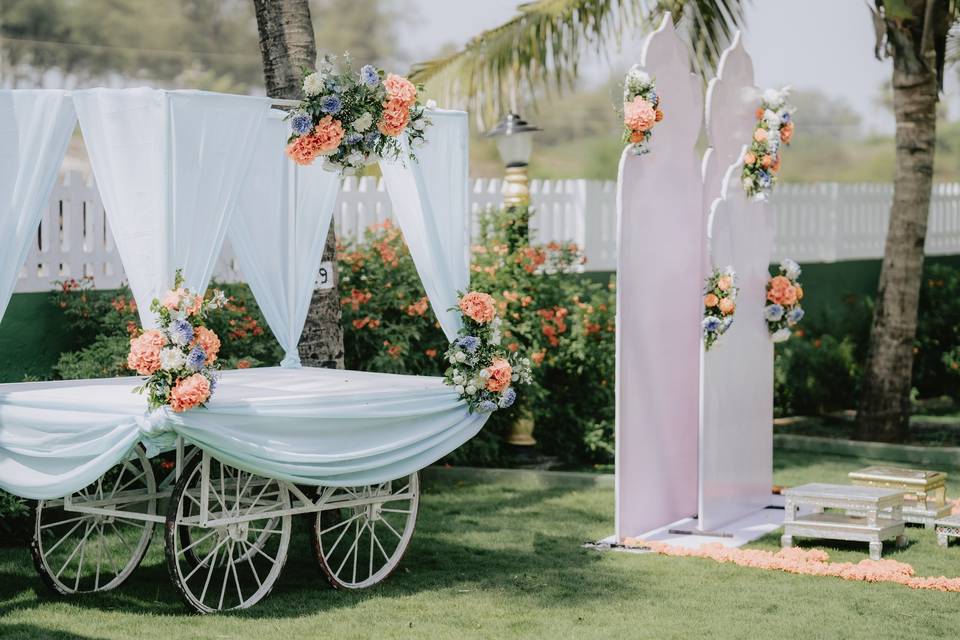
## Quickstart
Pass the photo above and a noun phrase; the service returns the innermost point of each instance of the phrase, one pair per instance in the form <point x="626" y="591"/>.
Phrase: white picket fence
<point x="820" y="222"/>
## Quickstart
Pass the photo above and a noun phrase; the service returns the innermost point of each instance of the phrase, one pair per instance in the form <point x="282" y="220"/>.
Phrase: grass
<point x="498" y="556"/>
<point x="924" y="430"/>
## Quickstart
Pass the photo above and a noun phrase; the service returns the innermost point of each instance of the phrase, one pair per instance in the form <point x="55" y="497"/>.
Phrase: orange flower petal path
<point x="810" y="562"/>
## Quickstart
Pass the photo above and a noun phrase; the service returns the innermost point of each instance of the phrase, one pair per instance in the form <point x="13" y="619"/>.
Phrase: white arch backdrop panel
<point x="35" y="128"/>
<point x="168" y="166"/>
<point x="736" y="439"/>
<point x="279" y="230"/>
<point x="730" y="118"/>
<point x="660" y="223"/>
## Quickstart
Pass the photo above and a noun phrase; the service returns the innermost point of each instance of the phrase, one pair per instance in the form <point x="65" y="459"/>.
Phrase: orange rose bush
<point x="773" y="131"/>
<point x="784" y="293"/>
<point x="719" y="305"/>
<point x="179" y="357"/>
<point x="641" y="109"/>
<point x="481" y="370"/>
<point x="354" y="118"/>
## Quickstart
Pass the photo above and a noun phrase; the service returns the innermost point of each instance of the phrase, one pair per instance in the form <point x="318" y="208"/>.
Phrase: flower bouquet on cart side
<point x="353" y="119"/>
<point x="180" y="356"/>
<point x="481" y="370"/>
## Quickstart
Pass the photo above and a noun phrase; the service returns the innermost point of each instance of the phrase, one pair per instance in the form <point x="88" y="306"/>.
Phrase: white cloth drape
<point x="168" y="165"/>
<point x="278" y="232"/>
<point x="35" y="128"/>
<point x="430" y="201"/>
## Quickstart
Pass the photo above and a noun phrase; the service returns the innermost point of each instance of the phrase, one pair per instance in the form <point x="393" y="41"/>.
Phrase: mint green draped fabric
<point x="309" y="426"/>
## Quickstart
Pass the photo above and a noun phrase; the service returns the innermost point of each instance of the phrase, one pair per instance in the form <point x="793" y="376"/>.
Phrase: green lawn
<point x="499" y="556"/>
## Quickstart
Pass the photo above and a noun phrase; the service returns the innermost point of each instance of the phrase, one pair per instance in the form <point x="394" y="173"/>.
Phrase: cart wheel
<point x="361" y="533"/>
<point x="232" y="564"/>
<point x="78" y="552"/>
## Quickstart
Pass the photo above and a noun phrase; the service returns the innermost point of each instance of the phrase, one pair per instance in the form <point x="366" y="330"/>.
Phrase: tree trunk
<point x="884" y="410"/>
<point x="287" y="45"/>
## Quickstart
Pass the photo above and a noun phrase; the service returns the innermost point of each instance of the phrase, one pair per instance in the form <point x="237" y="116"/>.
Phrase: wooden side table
<point x="947" y="528"/>
<point x="882" y="517"/>
<point x="925" y="499"/>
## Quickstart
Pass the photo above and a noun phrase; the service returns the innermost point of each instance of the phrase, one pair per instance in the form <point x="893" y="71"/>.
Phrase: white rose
<point x="362" y="123"/>
<point x="747" y="183"/>
<point x="461" y="356"/>
<point x="471" y="390"/>
<point x="781" y="336"/>
<point x="172" y="358"/>
<point x="313" y="84"/>
<point x="459" y="389"/>
<point x="771" y="118"/>
<point x="484" y="374"/>
<point x="431" y="104"/>
<point x="420" y="124"/>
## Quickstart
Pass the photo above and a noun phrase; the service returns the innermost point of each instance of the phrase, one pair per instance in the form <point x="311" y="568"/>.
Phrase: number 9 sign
<point x="325" y="276"/>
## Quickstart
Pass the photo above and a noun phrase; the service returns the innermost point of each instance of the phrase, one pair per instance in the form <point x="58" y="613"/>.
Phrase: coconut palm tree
<point x="288" y="46"/>
<point x="540" y="48"/>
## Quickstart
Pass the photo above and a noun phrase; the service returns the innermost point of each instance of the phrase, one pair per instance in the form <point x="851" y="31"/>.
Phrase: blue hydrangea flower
<point x="654" y="97"/>
<point x="785" y="117"/>
<point x="196" y="358"/>
<point x="353" y="137"/>
<point x="764" y="179"/>
<point x="773" y="312"/>
<point x="469" y="343"/>
<point x="507" y="398"/>
<point x="301" y="123"/>
<point x="369" y="75"/>
<point x="371" y="139"/>
<point x="331" y="104"/>
<point x="795" y="316"/>
<point x="181" y="332"/>
<point x="487" y="406"/>
<point x="711" y="324"/>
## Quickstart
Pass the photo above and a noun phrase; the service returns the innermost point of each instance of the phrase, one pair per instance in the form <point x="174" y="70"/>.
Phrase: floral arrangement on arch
<point x="179" y="357"/>
<point x="774" y="129"/>
<point x="719" y="302"/>
<point x="481" y="370"/>
<point x="353" y="119"/>
<point x="784" y="293"/>
<point x="641" y="109"/>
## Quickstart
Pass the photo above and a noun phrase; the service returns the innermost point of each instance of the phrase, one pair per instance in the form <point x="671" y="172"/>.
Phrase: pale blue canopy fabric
<point x="309" y="426"/>
<point x="35" y="127"/>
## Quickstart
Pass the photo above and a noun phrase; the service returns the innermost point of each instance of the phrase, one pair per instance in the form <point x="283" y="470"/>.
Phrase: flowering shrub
<point x="641" y="109"/>
<point x="180" y="357"/>
<point x="480" y="369"/>
<point x="762" y="158"/>
<point x="352" y="119"/>
<point x="719" y="302"/>
<point x="784" y="293"/>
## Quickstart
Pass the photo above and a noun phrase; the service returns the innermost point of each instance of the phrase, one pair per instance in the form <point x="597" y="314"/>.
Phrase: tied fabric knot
<point x="155" y="431"/>
<point x="291" y="360"/>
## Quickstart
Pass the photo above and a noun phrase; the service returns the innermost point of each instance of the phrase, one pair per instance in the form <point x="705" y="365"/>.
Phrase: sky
<point x="790" y="41"/>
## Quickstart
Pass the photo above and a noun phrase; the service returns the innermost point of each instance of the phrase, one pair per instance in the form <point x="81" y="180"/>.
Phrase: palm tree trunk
<point x="288" y="46"/>
<point x="884" y="410"/>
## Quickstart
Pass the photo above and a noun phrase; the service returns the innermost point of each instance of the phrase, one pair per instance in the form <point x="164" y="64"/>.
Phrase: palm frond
<point x="540" y="49"/>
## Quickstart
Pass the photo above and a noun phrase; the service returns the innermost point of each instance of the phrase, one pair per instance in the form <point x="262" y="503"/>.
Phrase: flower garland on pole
<point x="774" y="128"/>
<point x="180" y="357"/>
<point x="353" y="119"/>
<point x="784" y="293"/>
<point x="719" y="302"/>
<point x="641" y="109"/>
<point x="481" y="370"/>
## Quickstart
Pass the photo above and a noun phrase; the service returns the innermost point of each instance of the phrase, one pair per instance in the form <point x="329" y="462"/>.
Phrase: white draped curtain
<point x="430" y="201"/>
<point x="278" y="232"/>
<point x="35" y="128"/>
<point x="169" y="166"/>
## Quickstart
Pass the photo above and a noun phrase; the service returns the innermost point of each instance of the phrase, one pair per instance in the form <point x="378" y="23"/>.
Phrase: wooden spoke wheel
<point x="234" y="560"/>
<point x="77" y="552"/>
<point x="361" y="533"/>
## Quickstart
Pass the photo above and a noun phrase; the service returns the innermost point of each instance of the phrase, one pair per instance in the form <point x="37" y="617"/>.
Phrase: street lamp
<point x="514" y="138"/>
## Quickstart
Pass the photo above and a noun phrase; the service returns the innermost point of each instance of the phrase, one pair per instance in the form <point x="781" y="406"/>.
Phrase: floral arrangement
<point x="719" y="302"/>
<point x="641" y="109"/>
<point x="353" y="119"/>
<point x="481" y="370"/>
<point x="180" y="357"/>
<point x="784" y="293"/>
<point x="774" y="129"/>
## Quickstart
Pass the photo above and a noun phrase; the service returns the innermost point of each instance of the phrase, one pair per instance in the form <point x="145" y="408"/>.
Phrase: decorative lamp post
<point x="514" y="138"/>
